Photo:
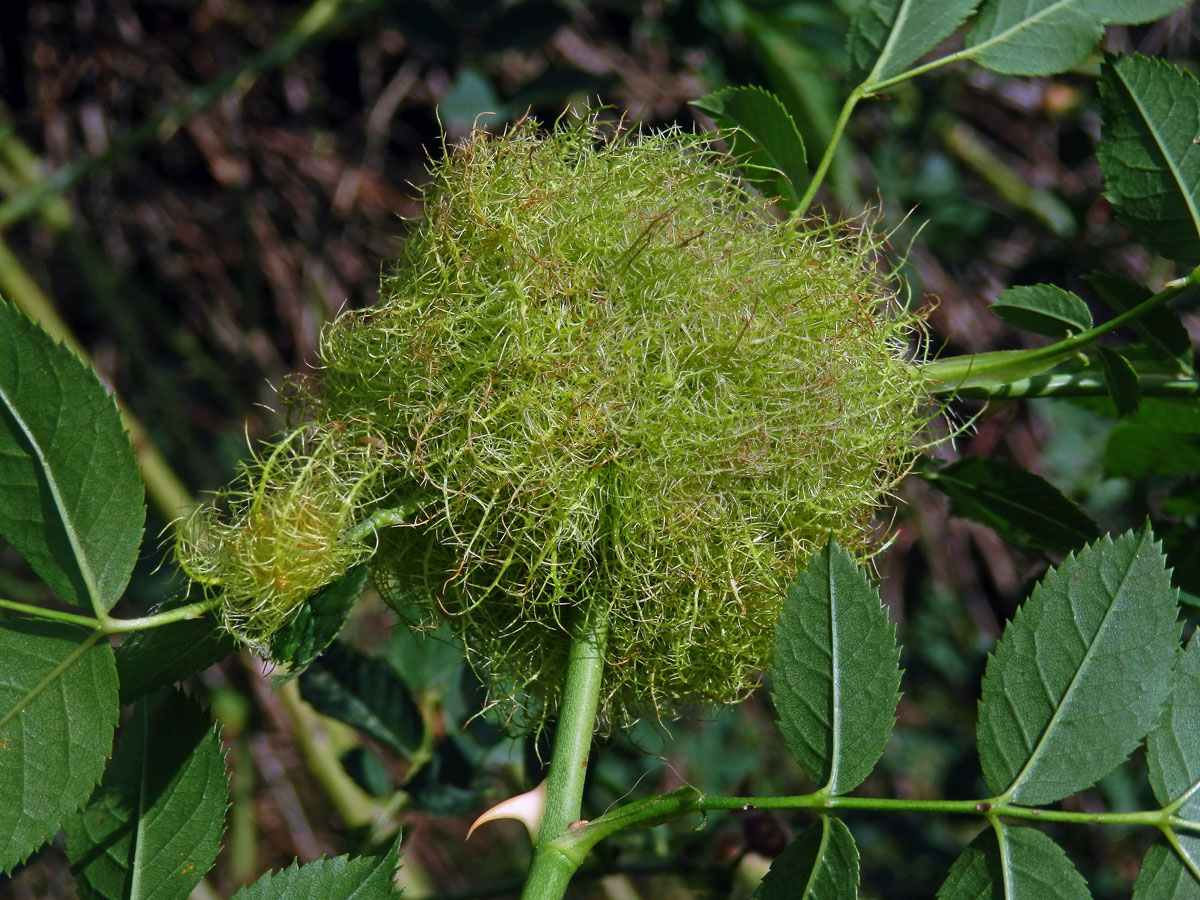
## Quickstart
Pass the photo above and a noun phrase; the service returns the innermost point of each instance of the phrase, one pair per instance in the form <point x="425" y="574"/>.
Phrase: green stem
<point x="384" y="518"/>
<point x="989" y="369"/>
<point x="552" y="867"/>
<point x="665" y="807"/>
<point x="109" y="625"/>
<point x="830" y="149"/>
<point x="191" y="611"/>
<point x="1076" y="385"/>
<point x="53" y="614"/>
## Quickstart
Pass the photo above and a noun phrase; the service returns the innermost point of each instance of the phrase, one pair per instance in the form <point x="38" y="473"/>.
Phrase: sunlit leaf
<point x="821" y="863"/>
<point x="1041" y="37"/>
<point x="1081" y="672"/>
<point x="836" y="672"/>
<point x="153" y="828"/>
<point x="887" y="36"/>
<point x="58" y="709"/>
<point x="1149" y="155"/>
<point x="341" y="878"/>
<point x="1043" y="309"/>
<point x="1032" y="867"/>
<point x="775" y="144"/>
<point x="1021" y="507"/>
<point x="73" y="498"/>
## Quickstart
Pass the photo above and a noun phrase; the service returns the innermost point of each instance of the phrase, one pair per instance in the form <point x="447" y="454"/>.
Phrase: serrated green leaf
<point x="836" y="672"/>
<point x="1148" y="152"/>
<point x="341" y="878"/>
<point x="58" y="709"/>
<point x="775" y="142"/>
<point x="887" y="36"/>
<point x="74" y="504"/>
<point x="1121" y="380"/>
<point x="1160" y="329"/>
<point x="312" y="627"/>
<point x="1161" y="438"/>
<point x="1081" y="672"/>
<point x="1164" y="875"/>
<point x="1032" y="867"/>
<point x="821" y="863"/>
<point x="366" y="693"/>
<point x="1173" y="747"/>
<point x="1021" y="507"/>
<point x="1043" y="309"/>
<point x="157" y="657"/>
<point x="1041" y="37"/>
<point x="153" y="828"/>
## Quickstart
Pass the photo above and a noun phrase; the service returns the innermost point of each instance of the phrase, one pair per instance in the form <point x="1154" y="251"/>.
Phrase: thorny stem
<point x="665" y="807"/>
<point x="552" y="868"/>
<point x="957" y="374"/>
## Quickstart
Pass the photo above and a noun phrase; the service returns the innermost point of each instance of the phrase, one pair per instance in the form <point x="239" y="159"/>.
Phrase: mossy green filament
<point x="621" y="380"/>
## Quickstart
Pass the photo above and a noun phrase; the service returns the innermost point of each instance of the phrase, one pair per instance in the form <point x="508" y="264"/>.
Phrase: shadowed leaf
<point x="1021" y="507"/>
<point x="312" y="627"/>
<point x="1149" y="155"/>
<point x="366" y="693"/>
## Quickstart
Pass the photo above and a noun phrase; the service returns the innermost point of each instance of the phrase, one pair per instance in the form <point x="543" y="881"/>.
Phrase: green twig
<point x="552" y="868"/>
<point x="830" y="150"/>
<point x="385" y="518"/>
<point x="958" y="373"/>
<point x="53" y="614"/>
<point x="665" y="807"/>
<point x="1074" y="384"/>
<point x="110" y="625"/>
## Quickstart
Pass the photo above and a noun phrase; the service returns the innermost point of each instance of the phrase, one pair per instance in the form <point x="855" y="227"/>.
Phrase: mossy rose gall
<point x="619" y="380"/>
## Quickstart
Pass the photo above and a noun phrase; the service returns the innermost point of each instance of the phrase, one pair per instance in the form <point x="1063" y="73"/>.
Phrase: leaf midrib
<point x="886" y="51"/>
<point x="81" y="561"/>
<point x="1069" y="693"/>
<point x="1160" y="143"/>
<point x="835" y="693"/>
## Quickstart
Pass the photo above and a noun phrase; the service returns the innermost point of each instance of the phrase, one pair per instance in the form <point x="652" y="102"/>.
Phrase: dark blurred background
<point x="231" y="174"/>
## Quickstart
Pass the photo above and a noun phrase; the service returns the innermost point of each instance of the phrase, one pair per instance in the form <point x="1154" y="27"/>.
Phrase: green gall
<point x="620" y="380"/>
<point x="265" y="544"/>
